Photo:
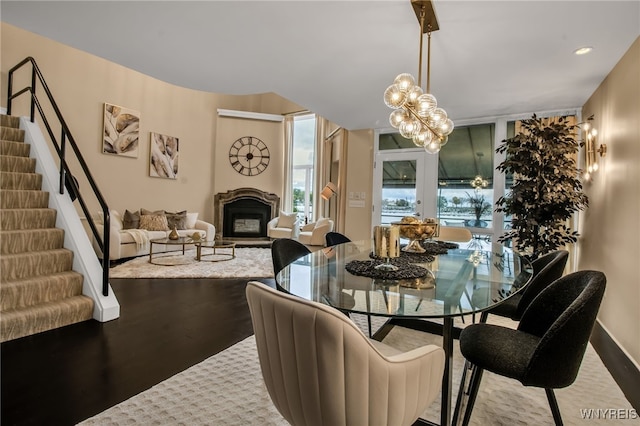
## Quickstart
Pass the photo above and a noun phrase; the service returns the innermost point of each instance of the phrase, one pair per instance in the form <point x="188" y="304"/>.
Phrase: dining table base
<point x="449" y="333"/>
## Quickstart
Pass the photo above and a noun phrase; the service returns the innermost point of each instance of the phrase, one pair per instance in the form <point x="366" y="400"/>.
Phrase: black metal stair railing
<point x="67" y="180"/>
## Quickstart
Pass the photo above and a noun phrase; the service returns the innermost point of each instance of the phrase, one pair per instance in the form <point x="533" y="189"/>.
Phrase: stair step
<point x="32" y="291"/>
<point x="15" y="219"/>
<point x="23" y="199"/>
<point x="36" y="319"/>
<point x="30" y="240"/>
<point x="11" y="163"/>
<point x="9" y="121"/>
<point x="13" y="180"/>
<point x="13" y="148"/>
<point x="11" y="134"/>
<point x="23" y="265"/>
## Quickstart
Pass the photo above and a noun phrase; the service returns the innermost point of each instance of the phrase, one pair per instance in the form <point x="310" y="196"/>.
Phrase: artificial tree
<point x="546" y="189"/>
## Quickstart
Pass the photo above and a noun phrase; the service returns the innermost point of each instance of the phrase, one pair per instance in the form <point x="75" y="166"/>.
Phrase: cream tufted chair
<point x="283" y="226"/>
<point x="313" y="234"/>
<point x="320" y="369"/>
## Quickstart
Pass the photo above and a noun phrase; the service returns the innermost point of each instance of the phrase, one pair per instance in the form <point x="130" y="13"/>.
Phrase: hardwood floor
<point x="67" y="375"/>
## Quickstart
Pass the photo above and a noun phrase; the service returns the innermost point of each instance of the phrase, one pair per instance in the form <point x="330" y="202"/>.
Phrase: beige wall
<point x="82" y="83"/>
<point x="610" y="228"/>
<point x="359" y="177"/>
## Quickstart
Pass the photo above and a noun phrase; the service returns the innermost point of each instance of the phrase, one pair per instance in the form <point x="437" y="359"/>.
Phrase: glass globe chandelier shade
<point x="416" y="113"/>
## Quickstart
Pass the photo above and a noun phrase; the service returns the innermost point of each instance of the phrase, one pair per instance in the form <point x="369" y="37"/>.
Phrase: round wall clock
<point x="249" y="156"/>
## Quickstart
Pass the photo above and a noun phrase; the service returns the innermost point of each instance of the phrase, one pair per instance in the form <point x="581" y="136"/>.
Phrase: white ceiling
<point x="336" y="58"/>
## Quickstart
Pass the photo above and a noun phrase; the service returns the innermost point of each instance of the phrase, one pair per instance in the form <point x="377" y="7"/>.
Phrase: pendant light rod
<point x="422" y="14"/>
<point x="430" y="19"/>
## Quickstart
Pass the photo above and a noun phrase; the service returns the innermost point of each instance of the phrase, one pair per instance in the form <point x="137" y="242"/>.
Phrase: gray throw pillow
<point x="131" y="220"/>
<point x="177" y="220"/>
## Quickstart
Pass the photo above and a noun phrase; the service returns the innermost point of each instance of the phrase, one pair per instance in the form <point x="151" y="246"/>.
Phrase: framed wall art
<point x="163" y="156"/>
<point x="121" y="131"/>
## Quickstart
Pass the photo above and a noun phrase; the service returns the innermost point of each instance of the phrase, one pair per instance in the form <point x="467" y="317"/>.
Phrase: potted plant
<point x="479" y="206"/>
<point x="546" y="189"/>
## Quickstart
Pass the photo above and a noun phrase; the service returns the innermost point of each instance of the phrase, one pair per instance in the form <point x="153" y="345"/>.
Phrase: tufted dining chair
<point x="320" y="369"/>
<point x="453" y="233"/>
<point x="546" y="269"/>
<point x="547" y="348"/>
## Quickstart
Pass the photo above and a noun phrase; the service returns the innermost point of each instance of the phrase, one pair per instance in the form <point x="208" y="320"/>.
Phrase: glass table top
<point x="468" y="279"/>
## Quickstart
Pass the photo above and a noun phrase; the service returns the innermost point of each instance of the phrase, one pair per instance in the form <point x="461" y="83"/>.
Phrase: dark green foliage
<point x="546" y="189"/>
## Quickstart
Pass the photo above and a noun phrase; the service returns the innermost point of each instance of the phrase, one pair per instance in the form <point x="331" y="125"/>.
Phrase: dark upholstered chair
<point x="335" y="238"/>
<point x="547" y="348"/>
<point x="546" y="269"/>
<point x="319" y="369"/>
<point x="284" y="251"/>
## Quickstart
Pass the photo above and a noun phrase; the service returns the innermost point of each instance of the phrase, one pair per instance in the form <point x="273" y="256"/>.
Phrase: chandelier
<point x="415" y="112"/>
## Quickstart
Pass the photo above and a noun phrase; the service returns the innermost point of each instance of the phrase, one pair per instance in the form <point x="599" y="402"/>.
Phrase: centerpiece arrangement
<point x="416" y="231"/>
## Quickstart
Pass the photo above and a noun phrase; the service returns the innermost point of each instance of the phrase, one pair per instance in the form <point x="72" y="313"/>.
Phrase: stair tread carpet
<point x="43" y="289"/>
<point x="13" y="163"/>
<point x="39" y="290"/>
<point x="23" y="265"/>
<point x="46" y="316"/>
<point x="15" y="219"/>
<point x="20" y="180"/>
<point x="25" y="199"/>
<point x="14" y="149"/>
<point x="30" y="240"/>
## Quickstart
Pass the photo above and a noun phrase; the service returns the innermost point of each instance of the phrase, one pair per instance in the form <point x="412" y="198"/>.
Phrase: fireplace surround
<point x="243" y="213"/>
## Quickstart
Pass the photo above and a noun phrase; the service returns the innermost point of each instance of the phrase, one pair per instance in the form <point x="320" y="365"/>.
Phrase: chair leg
<point x="483" y="316"/>
<point x="555" y="410"/>
<point x="473" y="393"/>
<point x="461" y="393"/>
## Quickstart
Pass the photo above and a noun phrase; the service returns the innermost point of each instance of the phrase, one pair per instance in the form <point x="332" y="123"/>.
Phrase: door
<point x="401" y="187"/>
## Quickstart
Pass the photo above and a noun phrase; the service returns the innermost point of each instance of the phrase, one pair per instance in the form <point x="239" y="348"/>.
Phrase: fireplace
<point x="243" y="213"/>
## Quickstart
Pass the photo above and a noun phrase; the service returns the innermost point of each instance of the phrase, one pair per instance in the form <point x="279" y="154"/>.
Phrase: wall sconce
<point x="328" y="191"/>
<point x="591" y="159"/>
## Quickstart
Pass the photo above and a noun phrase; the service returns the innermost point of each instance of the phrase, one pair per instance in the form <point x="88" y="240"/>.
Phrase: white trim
<point x="250" y="115"/>
<point x="85" y="261"/>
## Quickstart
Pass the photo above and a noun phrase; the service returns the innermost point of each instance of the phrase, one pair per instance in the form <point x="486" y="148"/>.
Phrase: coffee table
<point x="183" y="241"/>
<point x="228" y="246"/>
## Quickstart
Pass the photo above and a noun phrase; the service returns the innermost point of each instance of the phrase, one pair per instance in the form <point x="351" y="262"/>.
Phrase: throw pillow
<point x="286" y="220"/>
<point x="149" y="212"/>
<point x="116" y="219"/>
<point x="177" y="220"/>
<point x="191" y="220"/>
<point x="322" y="222"/>
<point x="308" y="227"/>
<point x="152" y="222"/>
<point x="131" y="220"/>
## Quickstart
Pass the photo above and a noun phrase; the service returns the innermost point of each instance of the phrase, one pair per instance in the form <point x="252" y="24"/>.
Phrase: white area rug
<point x="227" y="389"/>
<point x="250" y="262"/>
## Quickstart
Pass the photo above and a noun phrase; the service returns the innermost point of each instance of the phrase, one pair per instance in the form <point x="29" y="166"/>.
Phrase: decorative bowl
<point x="416" y="231"/>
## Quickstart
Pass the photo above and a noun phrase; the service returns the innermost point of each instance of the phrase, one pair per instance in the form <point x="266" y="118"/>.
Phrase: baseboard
<point x="623" y="370"/>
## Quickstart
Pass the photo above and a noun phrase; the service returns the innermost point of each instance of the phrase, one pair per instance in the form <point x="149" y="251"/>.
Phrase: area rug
<point x="250" y="262"/>
<point x="227" y="389"/>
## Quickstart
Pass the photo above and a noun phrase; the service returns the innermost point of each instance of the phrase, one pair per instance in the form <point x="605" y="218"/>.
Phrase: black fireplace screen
<point x="246" y="217"/>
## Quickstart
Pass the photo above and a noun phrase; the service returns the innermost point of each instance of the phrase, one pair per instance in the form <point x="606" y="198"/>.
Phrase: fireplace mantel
<point x="223" y="198"/>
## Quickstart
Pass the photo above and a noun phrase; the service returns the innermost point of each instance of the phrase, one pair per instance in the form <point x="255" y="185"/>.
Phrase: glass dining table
<point x="461" y="280"/>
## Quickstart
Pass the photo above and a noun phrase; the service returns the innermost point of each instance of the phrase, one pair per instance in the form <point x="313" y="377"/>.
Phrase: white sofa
<point x="313" y="234"/>
<point x="123" y="244"/>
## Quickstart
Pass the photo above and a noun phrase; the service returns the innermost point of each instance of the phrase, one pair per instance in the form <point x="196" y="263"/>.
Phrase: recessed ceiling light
<point x="583" y="50"/>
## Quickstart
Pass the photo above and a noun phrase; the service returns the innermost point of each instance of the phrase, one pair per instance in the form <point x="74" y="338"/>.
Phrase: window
<point x="465" y="177"/>
<point x="303" y="153"/>
<point x="407" y="180"/>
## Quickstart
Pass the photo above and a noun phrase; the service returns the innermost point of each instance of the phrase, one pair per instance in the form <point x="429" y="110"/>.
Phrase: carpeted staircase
<point x="39" y="291"/>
